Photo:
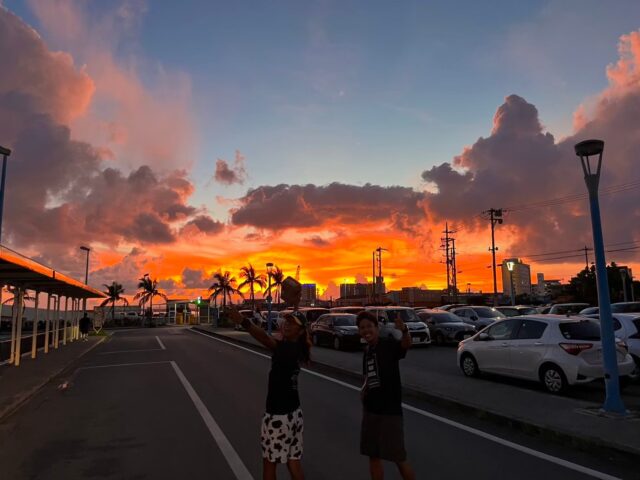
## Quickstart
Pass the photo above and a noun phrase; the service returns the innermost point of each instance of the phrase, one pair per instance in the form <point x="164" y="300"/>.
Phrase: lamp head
<point x="86" y="249"/>
<point x="588" y="148"/>
<point x="5" y="151"/>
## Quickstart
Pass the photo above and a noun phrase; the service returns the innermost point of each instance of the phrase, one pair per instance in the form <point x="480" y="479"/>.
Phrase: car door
<point x="463" y="313"/>
<point x="494" y="353"/>
<point x="528" y="348"/>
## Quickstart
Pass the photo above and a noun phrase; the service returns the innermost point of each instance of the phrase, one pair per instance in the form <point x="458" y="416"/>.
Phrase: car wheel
<point x="469" y="365"/>
<point x="315" y="340"/>
<point x="553" y="379"/>
<point x="439" y="338"/>
<point x="337" y="344"/>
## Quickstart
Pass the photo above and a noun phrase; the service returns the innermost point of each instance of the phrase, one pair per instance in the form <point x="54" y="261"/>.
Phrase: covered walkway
<point x="28" y="280"/>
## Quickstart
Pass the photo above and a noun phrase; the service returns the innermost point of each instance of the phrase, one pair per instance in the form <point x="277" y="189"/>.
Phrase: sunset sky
<point x="179" y="138"/>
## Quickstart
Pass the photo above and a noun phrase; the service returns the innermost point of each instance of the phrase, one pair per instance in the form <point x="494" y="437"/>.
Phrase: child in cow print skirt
<point x="282" y="424"/>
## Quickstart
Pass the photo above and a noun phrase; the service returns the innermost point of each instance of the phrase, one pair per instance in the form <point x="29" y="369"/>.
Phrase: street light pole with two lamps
<point x="86" y="276"/>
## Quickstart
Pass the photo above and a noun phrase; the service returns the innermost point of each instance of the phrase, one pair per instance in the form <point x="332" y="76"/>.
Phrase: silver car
<point x="556" y="350"/>
<point x="417" y="328"/>
<point x="478" y="316"/>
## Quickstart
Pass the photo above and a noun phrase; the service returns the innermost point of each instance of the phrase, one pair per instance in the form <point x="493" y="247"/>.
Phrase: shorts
<point x="281" y="436"/>
<point x="382" y="436"/>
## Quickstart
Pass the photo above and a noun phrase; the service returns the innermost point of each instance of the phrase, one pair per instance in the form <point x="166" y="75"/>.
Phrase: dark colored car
<point x="353" y="310"/>
<point x="517" y="311"/>
<point x="619" y="307"/>
<point x="337" y="330"/>
<point x="445" y="327"/>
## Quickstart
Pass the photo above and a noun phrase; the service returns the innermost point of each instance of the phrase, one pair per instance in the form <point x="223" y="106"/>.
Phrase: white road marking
<point x="132" y="351"/>
<point x="160" y="342"/>
<point x="218" y="435"/>
<point x="451" y="423"/>
<point x="90" y="367"/>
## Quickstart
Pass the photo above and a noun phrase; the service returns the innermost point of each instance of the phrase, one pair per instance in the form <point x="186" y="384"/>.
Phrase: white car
<point x="417" y="328"/>
<point x="567" y="308"/>
<point x="626" y="327"/>
<point x="555" y="350"/>
<point x="478" y="316"/>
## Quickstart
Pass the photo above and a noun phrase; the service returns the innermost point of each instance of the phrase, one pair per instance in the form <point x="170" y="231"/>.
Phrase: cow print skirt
<point x="281" y="436"/>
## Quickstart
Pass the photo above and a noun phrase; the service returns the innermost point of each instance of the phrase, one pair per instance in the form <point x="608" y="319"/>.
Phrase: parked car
<point x="626" y="327"/>
<point x="446" y="308"/>
<point x="478" y="316"/>
<point x="353" y="310"/>
<point x="386" y="316"/>
<point x="618" y="307"/>
<point x="276" y="319"/>
<point x="255" y="317"/>
<point x="567" y="308"/>
<point x="445" y="327"/>
<point x="590" y="311"/>
<point x="338" y="330"/>
<point x="555" y="350"/>
<point x="543" y="310"/>
<point x="310" y="313"/>
<point x="517" y="311"/>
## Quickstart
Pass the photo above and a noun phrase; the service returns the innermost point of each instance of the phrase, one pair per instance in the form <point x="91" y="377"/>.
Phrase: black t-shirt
<point x="282" y="397"/>
<point x="383" y="389"/>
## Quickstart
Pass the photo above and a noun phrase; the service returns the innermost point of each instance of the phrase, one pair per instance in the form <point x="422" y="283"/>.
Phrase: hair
<point x="364" y="315"/>
<point x="304" y="340"/>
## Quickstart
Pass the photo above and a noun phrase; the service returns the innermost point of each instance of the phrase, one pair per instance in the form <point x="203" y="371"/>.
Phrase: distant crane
<point x="377" y="280"/>
<point x="298" y="273"/>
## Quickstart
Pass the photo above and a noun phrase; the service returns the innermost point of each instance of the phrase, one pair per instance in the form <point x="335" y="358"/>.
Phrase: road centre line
<point x="160" y="342"/>
<point x="133" y="351"/>
<point x="233" y="459"/>
<point x="454" y="424"/>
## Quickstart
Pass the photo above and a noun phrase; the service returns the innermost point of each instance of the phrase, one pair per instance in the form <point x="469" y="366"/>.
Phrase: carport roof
<point x="20" y="271"/>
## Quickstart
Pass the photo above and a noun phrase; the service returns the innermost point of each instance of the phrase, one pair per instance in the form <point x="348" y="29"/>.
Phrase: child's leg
<point x="268" y="470"/>
<point x="376" y="468"/>
<point x="295" y="469"/>
<point x="406" y="471"/>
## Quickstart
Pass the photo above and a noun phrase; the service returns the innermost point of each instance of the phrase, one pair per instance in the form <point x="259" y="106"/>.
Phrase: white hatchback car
<point x="555" y="350"/>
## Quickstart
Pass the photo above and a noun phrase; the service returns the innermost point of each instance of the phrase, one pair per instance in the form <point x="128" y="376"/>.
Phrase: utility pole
<point x="378" y="279"/>
<point x="448" y="245"/>
<point x="495" y="216"/>
<point x="454" y="270"/>
<point x="586" y="257"/>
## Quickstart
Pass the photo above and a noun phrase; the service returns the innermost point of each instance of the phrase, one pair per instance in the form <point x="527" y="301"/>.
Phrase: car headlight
<point x="448" y="329"/>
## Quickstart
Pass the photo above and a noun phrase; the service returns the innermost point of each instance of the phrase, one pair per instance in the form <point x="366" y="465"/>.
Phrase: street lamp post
<point x="86" y="276"/>
<point x="510" y="266"/>
<point x="613" y="401"/>
<point x="5" y="152"/>
<point x="269" y="297"/>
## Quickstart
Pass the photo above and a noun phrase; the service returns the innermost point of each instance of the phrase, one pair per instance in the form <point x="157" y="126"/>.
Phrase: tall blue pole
<point x="5" y="153"/>
<point x="613" y="401"/>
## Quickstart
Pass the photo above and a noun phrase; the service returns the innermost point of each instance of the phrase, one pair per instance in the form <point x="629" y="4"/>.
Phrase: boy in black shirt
<point x="282" y="428"/>
<point x="382" y="435"/>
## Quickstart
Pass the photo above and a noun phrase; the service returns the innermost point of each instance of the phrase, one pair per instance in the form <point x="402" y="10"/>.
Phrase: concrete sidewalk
<point x="563" y="419"/>
<point x="18" y="384"/>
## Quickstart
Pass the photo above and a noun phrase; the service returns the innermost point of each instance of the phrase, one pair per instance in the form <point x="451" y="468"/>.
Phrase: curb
<point x="586" y="443"/>
<point x="27" y="395"/>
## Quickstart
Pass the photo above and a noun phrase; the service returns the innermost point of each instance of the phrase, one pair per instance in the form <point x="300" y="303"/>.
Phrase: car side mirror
<point x="484" y="336"/>
<point x="474" y="318"/>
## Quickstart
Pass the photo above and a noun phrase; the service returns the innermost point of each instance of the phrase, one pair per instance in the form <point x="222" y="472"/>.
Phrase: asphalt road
<point x="171" y="403"/>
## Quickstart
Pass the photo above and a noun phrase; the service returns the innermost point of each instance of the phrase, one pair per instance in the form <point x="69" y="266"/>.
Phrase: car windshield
<point x="486" y="312"/>
<point x="527" y="311"/>
<point x="630" y="307"/>
<point x="406" y="315"/>
<point x="583" y="330"/>
<point x="446" y="317"/>
<point x="346" y="321"/>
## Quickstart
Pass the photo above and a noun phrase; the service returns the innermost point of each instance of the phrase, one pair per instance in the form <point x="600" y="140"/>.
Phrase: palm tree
<point x="277" y="277"/>
<point x="13" y="291"/>
<point x="148" y="290"/>
<point x="113" y="293"/>
<point x="251" y="279"/>
<point x="224" y="284"/>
